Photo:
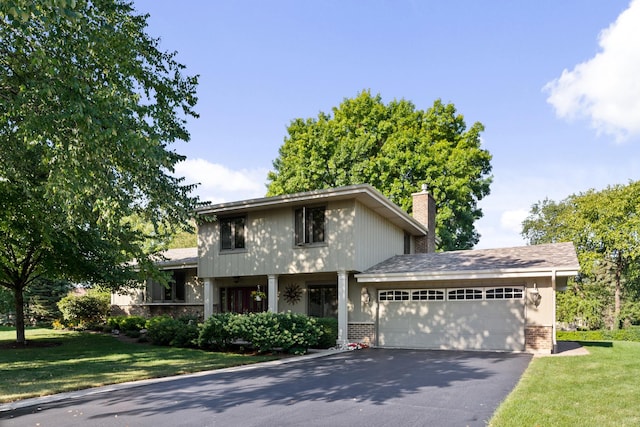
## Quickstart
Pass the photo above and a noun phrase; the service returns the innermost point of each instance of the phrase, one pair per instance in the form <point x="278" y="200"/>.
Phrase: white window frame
<point x="465" y="294"/>
<point x="507" y="293"/>
<point x="428" y="295"/>
<point x="394" y="295"/>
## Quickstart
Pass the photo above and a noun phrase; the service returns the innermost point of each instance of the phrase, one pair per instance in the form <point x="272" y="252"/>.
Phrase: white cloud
<point x="512" y="220"/>
<point x="220" y="184"/>
<point x="606" y="88"/>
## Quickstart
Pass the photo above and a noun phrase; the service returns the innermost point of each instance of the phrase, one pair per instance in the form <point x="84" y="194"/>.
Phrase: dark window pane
<point x="299" y="226"/>
<point x="179" y="285"/>
<point x="317" y="219"/>
<point x="239" y="233"/>
<point x="225" y="234"/>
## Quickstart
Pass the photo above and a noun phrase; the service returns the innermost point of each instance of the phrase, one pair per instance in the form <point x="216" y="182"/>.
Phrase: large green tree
<point x="605" y="227"/>
<point x="89" y="107"/>
<point x="396" y="148"/>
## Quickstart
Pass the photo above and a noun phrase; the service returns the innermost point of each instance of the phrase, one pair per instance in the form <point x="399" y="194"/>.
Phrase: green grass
<point x="600" y="389"/>
<point x="84" y="360"/>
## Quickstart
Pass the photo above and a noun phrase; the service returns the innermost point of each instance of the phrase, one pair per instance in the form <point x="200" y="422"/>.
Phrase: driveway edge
<point x="36" y="401"/>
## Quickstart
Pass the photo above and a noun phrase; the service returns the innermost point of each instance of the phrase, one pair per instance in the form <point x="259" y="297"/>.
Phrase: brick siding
<point x="361" y="332"/>
<point x="538" y="339"/>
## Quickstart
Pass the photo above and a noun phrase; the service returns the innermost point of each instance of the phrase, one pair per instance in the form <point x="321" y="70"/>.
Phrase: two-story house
<point x="351" y="253"/>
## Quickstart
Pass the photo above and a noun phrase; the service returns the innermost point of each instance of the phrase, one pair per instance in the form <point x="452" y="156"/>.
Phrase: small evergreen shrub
<point x="329" y="336"/>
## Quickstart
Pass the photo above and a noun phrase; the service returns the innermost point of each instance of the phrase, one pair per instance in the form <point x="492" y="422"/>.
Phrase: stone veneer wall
<point x="538" y="339"/>
<point x="362" y="332"/>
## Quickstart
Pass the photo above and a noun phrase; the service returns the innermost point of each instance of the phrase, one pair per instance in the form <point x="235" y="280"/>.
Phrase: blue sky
<point x="555" y="84"/>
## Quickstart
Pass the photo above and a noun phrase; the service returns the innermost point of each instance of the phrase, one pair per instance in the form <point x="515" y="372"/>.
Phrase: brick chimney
<point x="424" y="210"/>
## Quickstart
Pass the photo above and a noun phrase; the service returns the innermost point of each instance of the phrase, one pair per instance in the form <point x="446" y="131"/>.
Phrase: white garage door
<point x="488" y="318"/>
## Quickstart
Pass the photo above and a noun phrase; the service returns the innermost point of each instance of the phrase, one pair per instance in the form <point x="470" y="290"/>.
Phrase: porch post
<point x="208" y="297"/>
<point x="272" y="294"/>
<point x="211" y="297"/>
<point x="343" y="285"/>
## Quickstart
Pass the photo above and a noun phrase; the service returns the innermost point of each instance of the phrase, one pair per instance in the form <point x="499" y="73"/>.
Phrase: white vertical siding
<point x="376" y="239"/>
<point x="270" y="248"/>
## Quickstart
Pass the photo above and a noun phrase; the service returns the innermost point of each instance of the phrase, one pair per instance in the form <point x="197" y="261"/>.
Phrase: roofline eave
<point x="462" y="275"/>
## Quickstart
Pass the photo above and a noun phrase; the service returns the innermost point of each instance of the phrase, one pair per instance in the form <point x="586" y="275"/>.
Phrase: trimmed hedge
<point x="627" y="334"/>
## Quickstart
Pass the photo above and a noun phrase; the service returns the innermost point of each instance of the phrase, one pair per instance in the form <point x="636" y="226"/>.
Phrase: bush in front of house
<point x="127" y="324"/>
<point x="165" y="330"/>
<point x="329" y="336"/>
<point x="87" y="311"/>
<point x="290" y="332"/>
<point x="215" y="333"/>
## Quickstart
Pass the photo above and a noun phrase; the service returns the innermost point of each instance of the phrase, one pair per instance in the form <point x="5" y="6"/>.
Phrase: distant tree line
<point x="605" y="228"/>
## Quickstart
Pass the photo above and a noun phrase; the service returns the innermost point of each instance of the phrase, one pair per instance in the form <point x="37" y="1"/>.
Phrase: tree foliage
<point x="396" y="148"/>
<point x="605" y="227"/>
<point x="88" y="109"/>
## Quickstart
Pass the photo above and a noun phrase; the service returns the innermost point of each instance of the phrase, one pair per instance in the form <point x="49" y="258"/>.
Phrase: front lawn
<point x="600" y="389"/>
<point x="59" y="361"/>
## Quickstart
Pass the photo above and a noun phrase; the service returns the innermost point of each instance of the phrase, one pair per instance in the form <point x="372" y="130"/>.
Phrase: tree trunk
<point x="617" y="293"/>
<point x="19" y="300"/>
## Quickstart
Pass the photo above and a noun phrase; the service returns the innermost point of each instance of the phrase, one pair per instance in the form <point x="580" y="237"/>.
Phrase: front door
<point x="239" y="300"/>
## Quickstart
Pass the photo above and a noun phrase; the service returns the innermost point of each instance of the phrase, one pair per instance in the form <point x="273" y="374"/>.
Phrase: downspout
<point x="553" y="295"/>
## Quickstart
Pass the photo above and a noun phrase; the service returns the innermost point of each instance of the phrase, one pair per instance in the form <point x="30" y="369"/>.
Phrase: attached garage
<point x="489" y="318"/>
<point x="490" y="299"/>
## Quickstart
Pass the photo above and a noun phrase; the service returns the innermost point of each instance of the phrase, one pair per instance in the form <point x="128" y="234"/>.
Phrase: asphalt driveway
<point x="373" y="387"/>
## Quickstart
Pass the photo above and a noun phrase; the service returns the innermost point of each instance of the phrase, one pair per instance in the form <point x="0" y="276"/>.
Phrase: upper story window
<point x="232" y="231"/>
<point x="309" y="225"/>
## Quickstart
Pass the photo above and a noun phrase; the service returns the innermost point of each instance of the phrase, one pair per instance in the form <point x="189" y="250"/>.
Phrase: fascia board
<point x="461" y="275"/>
<point x="364" y="193"/>
<point x="172" y="266"/>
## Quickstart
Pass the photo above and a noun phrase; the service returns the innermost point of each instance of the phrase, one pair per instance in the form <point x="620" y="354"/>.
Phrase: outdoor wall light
<point x="535" y="295"/>
<point x="366" y="296"/>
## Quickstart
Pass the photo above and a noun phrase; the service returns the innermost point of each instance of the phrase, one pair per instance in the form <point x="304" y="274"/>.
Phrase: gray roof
<point x="181" y="257"/>
<point x="548" y="257"/>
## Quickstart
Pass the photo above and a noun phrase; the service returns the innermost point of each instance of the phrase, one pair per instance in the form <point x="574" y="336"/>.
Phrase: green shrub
<point x="85" y="311"/>
<point x="187" y="335"/>
<point x="293" y="333"/>
<point x="161" y="330"/>
<point x="627" y="334"/>
<point x="165" y="330"/>
<point x="215" y="333"/>
<point x="126" y="323"/>
<point x="329" y="336"/>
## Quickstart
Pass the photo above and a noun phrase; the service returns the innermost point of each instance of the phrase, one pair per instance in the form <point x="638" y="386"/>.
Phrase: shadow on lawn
<point x="596" y="343"/>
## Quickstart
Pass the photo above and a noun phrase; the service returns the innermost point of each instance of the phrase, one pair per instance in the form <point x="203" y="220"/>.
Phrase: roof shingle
<point x="548" y="256"/>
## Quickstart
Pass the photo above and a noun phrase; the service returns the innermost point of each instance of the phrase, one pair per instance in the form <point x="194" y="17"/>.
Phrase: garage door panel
<point x="477" y="325"/>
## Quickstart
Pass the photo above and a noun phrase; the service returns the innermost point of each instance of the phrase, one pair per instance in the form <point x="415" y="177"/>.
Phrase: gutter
<point x="462" y="275"/>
